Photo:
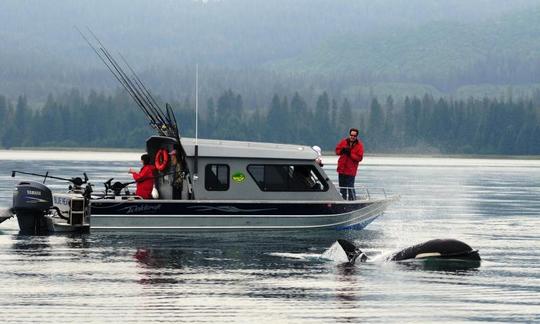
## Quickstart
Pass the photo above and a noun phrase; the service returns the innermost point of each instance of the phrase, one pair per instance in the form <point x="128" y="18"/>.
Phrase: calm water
<point x="494" y="205"/>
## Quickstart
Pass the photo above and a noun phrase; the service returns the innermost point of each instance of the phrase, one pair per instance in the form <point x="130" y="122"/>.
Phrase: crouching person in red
<point x="351" y="152"/>
<point x="144" y="178"/>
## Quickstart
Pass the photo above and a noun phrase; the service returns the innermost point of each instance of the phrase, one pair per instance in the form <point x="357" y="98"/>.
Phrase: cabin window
<point x="216" y="177"/>
<point x="284" y="177"/>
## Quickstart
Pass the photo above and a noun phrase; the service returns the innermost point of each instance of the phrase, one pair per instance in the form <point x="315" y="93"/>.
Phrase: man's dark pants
<point x="347" y="181"/>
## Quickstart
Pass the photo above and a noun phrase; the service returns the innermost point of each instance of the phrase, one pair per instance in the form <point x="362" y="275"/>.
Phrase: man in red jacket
<point x="351" y="152"/>
<point x="144" y="178"/>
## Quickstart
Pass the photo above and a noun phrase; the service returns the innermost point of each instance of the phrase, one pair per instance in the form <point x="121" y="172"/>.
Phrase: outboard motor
<point x="31" y="202"/>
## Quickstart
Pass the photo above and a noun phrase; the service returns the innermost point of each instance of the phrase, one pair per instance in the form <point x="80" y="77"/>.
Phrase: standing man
<point x="351" y="152"/>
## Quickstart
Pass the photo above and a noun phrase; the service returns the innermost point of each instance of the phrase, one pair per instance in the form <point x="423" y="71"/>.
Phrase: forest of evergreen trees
<point x="412" y="125"/>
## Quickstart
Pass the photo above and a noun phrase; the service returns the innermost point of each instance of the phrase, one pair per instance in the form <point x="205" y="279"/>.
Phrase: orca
<point x="344" y="251"/>
<point x="439" y="248"/>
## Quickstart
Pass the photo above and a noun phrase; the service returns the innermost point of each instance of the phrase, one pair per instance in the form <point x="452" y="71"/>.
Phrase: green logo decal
<point x="238" y="177"/>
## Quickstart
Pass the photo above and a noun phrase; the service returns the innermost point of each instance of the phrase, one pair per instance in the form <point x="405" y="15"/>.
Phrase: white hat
<point x="317" y="149"/>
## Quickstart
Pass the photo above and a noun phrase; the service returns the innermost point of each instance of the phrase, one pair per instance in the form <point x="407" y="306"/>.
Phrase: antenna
<point x="196" y="157"/>
<point x="196" y="103"/>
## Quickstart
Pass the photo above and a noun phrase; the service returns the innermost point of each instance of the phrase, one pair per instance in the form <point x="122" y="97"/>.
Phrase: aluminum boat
<point x="232" y="186"/>
<point x="200" y="185"/>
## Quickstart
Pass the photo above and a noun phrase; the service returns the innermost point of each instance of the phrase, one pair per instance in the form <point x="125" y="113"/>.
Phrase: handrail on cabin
<point x="363" y="193"/>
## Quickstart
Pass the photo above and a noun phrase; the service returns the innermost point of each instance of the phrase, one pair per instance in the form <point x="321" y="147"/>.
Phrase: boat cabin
<point x="236" y="170"/>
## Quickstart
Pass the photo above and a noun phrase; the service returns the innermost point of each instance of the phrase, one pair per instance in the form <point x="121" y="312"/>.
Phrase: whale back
<point x="438" y="248"/>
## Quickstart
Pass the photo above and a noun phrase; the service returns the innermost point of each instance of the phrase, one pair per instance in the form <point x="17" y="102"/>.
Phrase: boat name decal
<point x="61" y="200"/>
<point x="229" y="209"/>
<point x="141" y="208"/>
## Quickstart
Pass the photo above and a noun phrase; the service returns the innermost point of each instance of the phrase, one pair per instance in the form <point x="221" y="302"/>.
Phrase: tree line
<point x="411" y="125"/>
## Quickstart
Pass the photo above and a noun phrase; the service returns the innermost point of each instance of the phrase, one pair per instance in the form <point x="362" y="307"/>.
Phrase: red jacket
<point x="145" y="181"/>
<point x="348" y="164"/>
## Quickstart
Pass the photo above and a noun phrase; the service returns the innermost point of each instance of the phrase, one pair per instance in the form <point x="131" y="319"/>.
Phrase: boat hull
<point x="188" y="216"/>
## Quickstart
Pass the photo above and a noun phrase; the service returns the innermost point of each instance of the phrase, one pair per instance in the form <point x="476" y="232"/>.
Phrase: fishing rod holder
<point x="76" y="181"/>
<point x="116" y="187"/>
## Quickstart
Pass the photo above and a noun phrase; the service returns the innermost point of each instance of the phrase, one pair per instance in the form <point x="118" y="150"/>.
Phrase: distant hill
<point x="448" y="55"/>
<point x="262" y="47"/>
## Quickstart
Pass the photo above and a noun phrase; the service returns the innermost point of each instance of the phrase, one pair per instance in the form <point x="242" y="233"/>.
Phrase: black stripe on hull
<point x="203" y="208"/>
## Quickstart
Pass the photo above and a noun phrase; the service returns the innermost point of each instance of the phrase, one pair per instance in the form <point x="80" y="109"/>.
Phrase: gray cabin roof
<point x="241" y="149"/>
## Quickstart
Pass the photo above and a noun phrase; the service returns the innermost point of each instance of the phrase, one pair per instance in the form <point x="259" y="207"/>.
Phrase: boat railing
<point x="362" y="193"/>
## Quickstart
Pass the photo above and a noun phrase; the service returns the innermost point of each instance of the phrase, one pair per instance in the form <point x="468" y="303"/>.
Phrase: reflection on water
<point x="32" y="246"/>
<point x="492" y="205"/>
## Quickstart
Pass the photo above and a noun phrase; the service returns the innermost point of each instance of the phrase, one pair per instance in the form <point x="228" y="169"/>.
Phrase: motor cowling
<point x="31" y="201"/>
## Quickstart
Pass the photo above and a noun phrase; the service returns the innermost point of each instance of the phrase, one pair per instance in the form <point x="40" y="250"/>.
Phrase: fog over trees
<point x="415" y="76"/>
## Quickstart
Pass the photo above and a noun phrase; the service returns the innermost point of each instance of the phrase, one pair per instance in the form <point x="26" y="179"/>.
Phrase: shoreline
<point x="324" y="153"/>
<point x="445" y="156"/>
<point x="132" y="156"/>
<point x="70" y="149"/>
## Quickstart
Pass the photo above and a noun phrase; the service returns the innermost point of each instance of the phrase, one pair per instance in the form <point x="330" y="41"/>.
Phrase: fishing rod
<point x="141" y="89"/>
<point x="121" y="78"/>
<point x="134" y="86"/>
<point x="153" y="103"/>
<point x="157" y="112"/>
<point x="176" y="134"/>
<point x="164" y="123"/>
<point x="77" y="181"/>
<point x="171" y="119"/>
<point x="132" y="89"/>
